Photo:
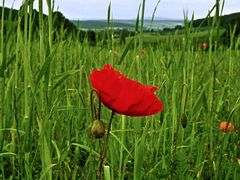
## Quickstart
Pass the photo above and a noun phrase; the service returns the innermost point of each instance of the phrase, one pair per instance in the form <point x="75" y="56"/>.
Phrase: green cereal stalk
<point x="26" y="67"/>
<point x="123" y="137"/>
<point x="141" y="41"/>
<point x="142" y="20"/>
<point x="217" y="15"/>
<point x="41" y="51"/>
<point x="174" y="119"/>
<point x="50" y="23"/>
<point x="45" y="131"/>
<point x="107" y="174"/>
<point x="231" y="63"/>
<point x="28" y="106"/>
<point x="109" y="31"/>
<point x="50" y="40"/>
<point x="139" y="154"/>
<point x="2" y="79"/>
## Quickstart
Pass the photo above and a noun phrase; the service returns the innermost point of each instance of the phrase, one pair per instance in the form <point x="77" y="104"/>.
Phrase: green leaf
<point x="126" y="50"/>
<point x="139" y="157"/>
<point x="137" y="20"/>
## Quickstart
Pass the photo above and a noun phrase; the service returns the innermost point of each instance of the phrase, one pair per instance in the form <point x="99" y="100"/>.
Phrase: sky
<point x="127" y="9"/>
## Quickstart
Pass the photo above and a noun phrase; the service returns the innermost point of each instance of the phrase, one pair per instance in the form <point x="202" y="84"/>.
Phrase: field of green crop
<point x="45" y="106"/>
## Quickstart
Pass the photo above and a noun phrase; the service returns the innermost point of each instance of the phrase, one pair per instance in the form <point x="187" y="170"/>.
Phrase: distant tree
<point x="61" y="25"/>
<point x="225" y="20"/>
<point x="123" y="34"/>
<point x="122" y="38"/>
<point x="9" y="13"/>
<point x="232" y="30"/>
<point x="91" y="36"/>
<point x="178" y="27"/>
<point x="167" y="29"/>
<point x="81" y="35"/>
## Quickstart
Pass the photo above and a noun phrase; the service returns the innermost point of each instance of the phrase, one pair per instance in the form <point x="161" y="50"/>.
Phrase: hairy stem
<point x="105" y="148"/>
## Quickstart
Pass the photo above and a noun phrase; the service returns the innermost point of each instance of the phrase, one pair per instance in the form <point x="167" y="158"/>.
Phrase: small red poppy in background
<point x="204" y="45"/>
<point x="224" y="128"/>
<point x="123" y="95"/>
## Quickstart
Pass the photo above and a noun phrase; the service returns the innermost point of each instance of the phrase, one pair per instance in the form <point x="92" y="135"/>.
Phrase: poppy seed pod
<point x="98" y="129"/>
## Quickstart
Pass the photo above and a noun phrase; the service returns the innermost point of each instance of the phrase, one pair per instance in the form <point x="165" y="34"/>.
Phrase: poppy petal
<point x="123" y="95"/>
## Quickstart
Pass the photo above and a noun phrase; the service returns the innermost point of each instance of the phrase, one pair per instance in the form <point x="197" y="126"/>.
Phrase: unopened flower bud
<point x="184" y="120"/>
<point x="97" y="129"/>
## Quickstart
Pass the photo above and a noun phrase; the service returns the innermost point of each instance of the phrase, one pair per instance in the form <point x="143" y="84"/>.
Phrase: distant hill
<point x="61" y="25"/>
<point x="226" y="20"/>
<point x="100" y="24"/>
<point x="59" y="21"/>
<point x="128" y="24"/>
<point x="8" y="12"/>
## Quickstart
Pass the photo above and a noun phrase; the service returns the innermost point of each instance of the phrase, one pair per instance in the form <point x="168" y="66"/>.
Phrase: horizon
<point x="124" y="10"/>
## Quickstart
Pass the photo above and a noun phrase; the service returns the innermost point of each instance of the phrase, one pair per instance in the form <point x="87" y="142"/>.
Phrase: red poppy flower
<point x="204" y="45"/>
<point x="224" y="128"/>
<point x="123" y="95"/>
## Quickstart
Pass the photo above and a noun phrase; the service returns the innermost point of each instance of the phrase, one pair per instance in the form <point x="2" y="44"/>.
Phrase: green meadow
<point x="45" y="104"/>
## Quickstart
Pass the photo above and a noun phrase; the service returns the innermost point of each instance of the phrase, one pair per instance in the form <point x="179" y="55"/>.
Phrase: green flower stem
<point x="93" y="109"/>
<point x="105" y="148"/>
<point x="2" y="78"/>
<point x="94" y="115"/>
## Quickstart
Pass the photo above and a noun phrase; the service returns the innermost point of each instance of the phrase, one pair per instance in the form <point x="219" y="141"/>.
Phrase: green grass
<point x="45" y="108"/>
<point x="198" y="37"/>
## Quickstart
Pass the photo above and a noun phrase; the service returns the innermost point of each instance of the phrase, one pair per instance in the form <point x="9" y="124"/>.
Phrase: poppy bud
<point x="98" y="129"/>
<point x="224" y="128"/>
<point x="184" y="120"/>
